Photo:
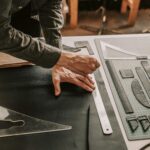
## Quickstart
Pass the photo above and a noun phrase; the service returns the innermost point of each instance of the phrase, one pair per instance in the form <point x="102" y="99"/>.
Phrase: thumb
<point x="56" y="82"/>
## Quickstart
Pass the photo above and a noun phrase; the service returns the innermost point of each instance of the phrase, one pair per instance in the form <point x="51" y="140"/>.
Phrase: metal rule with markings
<point x="103" y="117"/>
<point x="102" y="114"/>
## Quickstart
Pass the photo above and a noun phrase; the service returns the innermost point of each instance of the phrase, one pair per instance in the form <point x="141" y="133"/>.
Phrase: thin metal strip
<point x="103" y="117"/>
<point x="105" y="123"/>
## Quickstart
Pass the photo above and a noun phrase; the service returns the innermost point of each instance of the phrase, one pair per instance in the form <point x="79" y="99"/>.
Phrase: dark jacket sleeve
<point x="23" y="46"/>
<point x="51" y="20"/>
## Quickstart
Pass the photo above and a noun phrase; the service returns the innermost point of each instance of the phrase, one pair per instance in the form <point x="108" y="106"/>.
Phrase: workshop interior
<point x="115" y="116"/>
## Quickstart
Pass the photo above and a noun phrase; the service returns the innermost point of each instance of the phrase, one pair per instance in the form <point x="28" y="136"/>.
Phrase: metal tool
<point x="84" y="44"/>
<point x="103" y="117"/>
<point x="139" y="93"/>
<point x="144" y="80"/>
<point x="105" y="123"/>
<point x="119" y="88"/>
<point x="13" y="123"/>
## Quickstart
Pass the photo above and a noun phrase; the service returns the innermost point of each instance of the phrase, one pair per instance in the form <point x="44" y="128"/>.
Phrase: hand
<point x="62" y="74"/>
<point x="80" y="64"/>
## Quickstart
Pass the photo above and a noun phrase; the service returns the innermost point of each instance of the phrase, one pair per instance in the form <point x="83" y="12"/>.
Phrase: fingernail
<point x="91" y="90"/>
<point x="57" y="93"/>
<point x="93" y="66"/>
<point x="94" y="87"/>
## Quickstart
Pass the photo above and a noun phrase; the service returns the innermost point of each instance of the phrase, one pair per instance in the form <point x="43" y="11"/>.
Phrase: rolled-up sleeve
<point x="23" y="46"/>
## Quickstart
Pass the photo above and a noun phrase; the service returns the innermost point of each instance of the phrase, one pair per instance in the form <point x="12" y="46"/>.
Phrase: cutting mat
<point x="139" y="110"/>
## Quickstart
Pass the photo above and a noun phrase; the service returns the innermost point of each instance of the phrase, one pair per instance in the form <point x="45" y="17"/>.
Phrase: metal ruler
<point x="103" y="117"/>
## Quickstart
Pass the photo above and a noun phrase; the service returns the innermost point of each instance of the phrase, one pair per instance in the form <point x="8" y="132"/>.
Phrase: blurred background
<point x="91" y="17"/>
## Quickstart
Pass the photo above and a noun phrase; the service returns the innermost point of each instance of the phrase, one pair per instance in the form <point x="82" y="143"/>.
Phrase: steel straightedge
<point x="120" y="90"/>
<point x="98" y="99"/>
<point x="103" y="117"/>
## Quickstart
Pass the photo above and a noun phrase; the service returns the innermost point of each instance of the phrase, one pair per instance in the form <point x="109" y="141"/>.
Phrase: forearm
<point x="25" y="47"/>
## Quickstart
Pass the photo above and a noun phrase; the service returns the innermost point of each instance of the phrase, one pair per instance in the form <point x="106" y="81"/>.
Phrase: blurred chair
<point x="73" y="13"/>
<point x="65" y="10"/>
<point x="134" y="7"/>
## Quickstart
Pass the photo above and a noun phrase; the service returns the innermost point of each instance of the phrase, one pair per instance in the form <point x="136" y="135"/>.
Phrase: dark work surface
<point x="29" y="90"/>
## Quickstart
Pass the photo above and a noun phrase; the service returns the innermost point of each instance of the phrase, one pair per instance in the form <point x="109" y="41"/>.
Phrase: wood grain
<point x="7" y="61"/>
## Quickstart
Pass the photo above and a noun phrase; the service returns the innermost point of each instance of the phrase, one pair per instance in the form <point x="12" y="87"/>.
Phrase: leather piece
<point x="29" y="90"/>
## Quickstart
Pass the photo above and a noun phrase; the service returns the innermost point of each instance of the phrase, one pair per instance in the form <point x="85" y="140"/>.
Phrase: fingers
<point x="87" y="81"/>
<point x="90" y="79"/>
<point x="94" y="64"/>
<point x="56" y="82"/>
<point x="84" y="73"/>
<point x="83" y="85"/>
<point x="84" y="82"/>
<point x="61" y="74"/>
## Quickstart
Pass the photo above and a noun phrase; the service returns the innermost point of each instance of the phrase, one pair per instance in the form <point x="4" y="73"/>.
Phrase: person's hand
<point x="62" y="74"/>
<point x="81" y="64"/>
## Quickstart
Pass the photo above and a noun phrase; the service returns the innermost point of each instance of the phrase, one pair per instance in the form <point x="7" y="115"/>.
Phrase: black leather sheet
<point x="29" y="90"/>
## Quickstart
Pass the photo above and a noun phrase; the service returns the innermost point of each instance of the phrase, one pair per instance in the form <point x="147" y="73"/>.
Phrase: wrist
<point x="65" y="59"/>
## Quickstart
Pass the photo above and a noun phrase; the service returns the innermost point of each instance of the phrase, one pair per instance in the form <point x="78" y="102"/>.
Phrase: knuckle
<point x="91" y="59"/>
<point x="93" y="66"/>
